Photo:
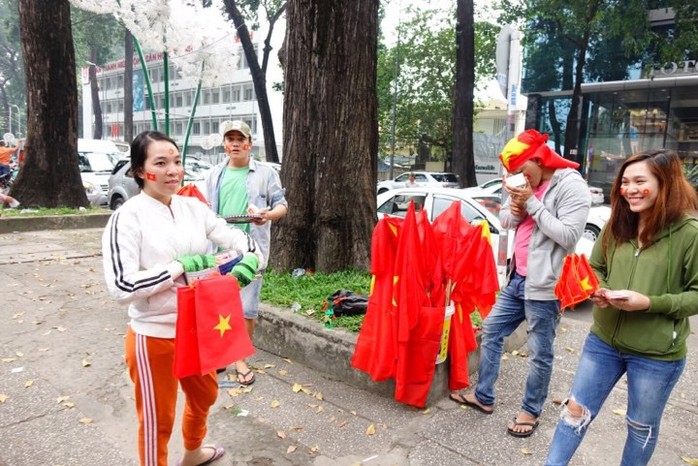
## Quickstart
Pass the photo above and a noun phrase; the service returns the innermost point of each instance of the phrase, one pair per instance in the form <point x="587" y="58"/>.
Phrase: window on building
<point x="178" y="127"/>
<point x="189" y="98"/>
<point x="247" y="92"/>
<point x="120" y="106"/>
<point x="236" y="93"/>
<point x="120" y="81"/>
<point x="214" y="127"/>
<point x="207" y="127"/>
<point x="178" y="99"/>
<point x="215" y="96"/>
<point x="226" y="95"/>
<point x="196" y="127"/>
<point x="206" y="97"/>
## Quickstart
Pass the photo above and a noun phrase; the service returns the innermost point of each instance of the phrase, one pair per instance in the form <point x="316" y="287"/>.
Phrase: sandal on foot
<point x="526" y="433"/>
<point x="463" y="401"/>
<point x="218" y="453"/>
<point x="242" y="377"/>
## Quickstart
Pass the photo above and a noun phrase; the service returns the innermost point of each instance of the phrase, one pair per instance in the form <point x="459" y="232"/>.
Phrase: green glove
<point x="246" y="269"/>
<point x="198" y="262"/>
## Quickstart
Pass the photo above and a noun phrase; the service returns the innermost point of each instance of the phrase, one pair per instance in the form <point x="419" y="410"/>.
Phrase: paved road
<point x="66" y="399"/>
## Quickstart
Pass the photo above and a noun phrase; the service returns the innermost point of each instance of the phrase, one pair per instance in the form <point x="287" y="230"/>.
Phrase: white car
<point x="473" y="208"/>
<point x="434" y="179"/>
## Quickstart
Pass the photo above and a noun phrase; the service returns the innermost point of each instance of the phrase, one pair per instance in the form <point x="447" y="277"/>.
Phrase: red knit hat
<point x="531" y="145"/>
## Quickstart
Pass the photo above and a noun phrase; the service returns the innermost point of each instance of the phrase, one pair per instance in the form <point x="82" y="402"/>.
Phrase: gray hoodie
<point x="560" y="217"/>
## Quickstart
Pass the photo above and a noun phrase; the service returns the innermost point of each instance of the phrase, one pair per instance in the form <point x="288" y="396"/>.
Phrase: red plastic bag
<point x="211" y="331"/>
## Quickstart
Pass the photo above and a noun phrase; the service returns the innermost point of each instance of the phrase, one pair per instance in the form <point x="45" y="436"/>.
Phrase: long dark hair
<point x="139" y="152"/>
<point x="665" y="165"/>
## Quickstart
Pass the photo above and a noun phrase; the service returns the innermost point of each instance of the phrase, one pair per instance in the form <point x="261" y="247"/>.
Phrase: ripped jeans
<point x="650" y="383"/>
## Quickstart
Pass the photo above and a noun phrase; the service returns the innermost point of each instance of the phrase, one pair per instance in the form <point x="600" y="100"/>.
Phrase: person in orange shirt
<point x="5" y="156"/>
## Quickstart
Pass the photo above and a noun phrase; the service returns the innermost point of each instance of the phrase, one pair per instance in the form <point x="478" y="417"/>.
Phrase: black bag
<point x="348" y="303"/>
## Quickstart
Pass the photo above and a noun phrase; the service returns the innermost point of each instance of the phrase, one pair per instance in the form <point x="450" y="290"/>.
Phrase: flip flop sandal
<point x="526" y="433"/>
<point x="242" y="377"/>
<point x="461" y="400"/>
<point x="217" y="454"/>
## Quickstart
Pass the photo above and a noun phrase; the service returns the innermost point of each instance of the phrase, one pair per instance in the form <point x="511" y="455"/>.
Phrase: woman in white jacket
<point x="147" y="246"/>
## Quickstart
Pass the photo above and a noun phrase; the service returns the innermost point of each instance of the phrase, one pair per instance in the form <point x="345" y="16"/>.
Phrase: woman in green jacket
<point x="647" y="265"/>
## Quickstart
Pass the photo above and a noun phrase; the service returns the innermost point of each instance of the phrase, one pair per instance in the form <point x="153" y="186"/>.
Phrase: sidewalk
<point x="69" y="400"/>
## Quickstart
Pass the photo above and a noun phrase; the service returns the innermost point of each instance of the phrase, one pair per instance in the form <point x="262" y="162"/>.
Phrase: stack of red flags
<point x="418" y="269"/>
<point x="577" y="281"/>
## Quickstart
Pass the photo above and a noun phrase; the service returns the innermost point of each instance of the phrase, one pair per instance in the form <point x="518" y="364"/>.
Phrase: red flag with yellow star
<point x="577" y="281"/>
<point x="211" y="331"/>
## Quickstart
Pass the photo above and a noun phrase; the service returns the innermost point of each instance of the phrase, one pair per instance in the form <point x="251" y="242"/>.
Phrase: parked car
<point x="122" y="186"/>
<point x="494" y="186"/>
<point x="435" y="179"/>
<point x="96" y="159"/>
<point x="473" y="208"/>
<point x="94" y="194"/>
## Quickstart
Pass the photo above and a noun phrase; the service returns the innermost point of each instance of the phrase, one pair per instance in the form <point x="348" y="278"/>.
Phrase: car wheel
<point x="591" y="232"/>
<point x="116" y="202"/>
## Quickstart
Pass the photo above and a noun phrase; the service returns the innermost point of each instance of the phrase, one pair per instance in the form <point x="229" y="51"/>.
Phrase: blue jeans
<point x="509" y="311"/>
<point x="650" y="383"/>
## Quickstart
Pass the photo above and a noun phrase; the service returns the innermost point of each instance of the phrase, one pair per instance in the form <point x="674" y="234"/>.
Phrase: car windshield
<point x="445" y="177"/>
<point x="97" y="161"/>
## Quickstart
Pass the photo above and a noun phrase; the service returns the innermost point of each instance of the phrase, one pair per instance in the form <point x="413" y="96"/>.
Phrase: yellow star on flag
<point x="586" y="286"/>
<point x="223" y="324"/>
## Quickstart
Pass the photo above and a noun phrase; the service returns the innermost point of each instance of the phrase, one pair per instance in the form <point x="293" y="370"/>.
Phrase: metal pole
<point x="19" y="119"/>
<point x="397" y="74"/>
<point x="9" y="117"/>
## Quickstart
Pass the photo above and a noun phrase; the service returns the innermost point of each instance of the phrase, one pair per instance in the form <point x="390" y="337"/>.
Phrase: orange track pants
<point x="150" y="364"/>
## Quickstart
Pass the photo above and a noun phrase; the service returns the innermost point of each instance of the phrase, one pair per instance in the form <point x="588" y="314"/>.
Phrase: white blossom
<point x="191" y="34"/>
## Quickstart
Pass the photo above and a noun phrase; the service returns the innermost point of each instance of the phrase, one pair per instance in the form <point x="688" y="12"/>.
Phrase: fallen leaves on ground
<point x="371" y="430"/>
<point x="281" y="434"/>
<point x="291" y="449"/>
<point x="3" y="397"/>
<point x="86" y="420"/>
<point x="28" y="383"/>
<point x="691" y="461"/>
<point x="275" y="404"/>
<point x="619" y="412"/>
<point x="525" y="451"/>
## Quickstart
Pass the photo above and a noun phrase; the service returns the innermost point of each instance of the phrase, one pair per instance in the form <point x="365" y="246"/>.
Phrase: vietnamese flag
<point x="376" y="347"/>
<point x="190" y="190"/>
<point x="211" y="329"/>
<point x="577" y="281"/>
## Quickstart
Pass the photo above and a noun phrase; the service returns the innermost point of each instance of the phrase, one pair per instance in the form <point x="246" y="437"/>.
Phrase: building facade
<point x="233" y="100"/>
<point x="655" y="107"/>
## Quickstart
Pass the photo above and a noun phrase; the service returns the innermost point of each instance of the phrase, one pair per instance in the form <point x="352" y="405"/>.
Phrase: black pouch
<point x="348" y="303"/>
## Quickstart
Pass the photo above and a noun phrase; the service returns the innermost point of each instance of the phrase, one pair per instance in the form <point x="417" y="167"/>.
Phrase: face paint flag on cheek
<point x="645" y="192"/>
<point x="622" y="191"/>
<point x="246" y="146"/>
<point x="149" y="176"/>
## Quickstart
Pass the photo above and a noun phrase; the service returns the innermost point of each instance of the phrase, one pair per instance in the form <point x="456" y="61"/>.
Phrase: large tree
<point x="50" y="176"/>
<point x="330" y="136"/>
<point x="463" y="159"/>
<point x="274" y="9"/>
<point x="426" y="79"/>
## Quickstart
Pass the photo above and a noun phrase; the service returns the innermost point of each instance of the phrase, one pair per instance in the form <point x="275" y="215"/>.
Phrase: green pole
<point x="166" y="77"/>
<point x="190" y="123"/>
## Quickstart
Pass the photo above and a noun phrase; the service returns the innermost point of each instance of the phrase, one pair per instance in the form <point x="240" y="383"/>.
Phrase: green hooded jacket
<point x="667" y="273"/>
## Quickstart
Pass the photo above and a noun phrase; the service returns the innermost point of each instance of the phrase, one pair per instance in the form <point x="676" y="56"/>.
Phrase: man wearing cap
<point x="548" y="212"/>
<point x="238" y="186"/>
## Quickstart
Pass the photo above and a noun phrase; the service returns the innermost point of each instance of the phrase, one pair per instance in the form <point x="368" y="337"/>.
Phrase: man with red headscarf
<point x="548" y="212"/>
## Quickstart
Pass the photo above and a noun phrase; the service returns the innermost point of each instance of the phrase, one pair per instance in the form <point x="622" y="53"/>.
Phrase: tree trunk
<point x="50" y="176"/>
<point x="463" y="159"/>
<point x="128" y="86"/>
<point x="330" y="136"/>
<point x="96" y="103"/>
<point x="259" y="81"/>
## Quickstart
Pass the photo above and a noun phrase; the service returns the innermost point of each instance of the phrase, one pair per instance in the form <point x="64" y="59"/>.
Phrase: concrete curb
<point x="308" y="342"/>
<point x="54" y="222"/>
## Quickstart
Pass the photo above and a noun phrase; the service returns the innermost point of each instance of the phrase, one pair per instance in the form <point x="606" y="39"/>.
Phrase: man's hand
<point x="246" y="269"/>
<point x="197" y="262"/>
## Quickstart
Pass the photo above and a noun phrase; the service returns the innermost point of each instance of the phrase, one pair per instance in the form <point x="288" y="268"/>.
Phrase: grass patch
<point x="309" y="293"/>
<point x="43" y="212"/>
